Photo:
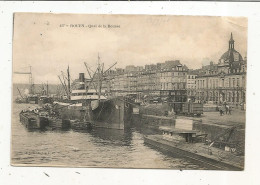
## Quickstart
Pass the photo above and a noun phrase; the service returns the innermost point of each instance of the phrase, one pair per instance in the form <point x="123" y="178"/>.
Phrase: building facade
<point x="225" y="81"/>
<point x="220" y="82"/>
<point x="191" y="85"/>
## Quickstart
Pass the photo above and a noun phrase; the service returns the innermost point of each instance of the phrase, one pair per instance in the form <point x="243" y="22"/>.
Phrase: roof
<point x="84" y="90"/>
<point x="226" y="56"/>
<point x="193" y="72"/>
<point x="177" y="131"/>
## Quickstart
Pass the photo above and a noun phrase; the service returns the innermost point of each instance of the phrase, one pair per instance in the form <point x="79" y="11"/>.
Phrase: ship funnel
<point x="82" y="80"/>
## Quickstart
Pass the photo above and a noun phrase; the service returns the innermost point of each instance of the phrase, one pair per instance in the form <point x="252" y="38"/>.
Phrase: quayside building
<point x="224" y="81"/>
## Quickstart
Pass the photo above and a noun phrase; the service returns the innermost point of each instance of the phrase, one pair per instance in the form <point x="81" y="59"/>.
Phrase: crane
<point x="30" y="78"/>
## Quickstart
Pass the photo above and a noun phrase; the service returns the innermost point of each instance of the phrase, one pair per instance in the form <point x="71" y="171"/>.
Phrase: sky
<point x="49" y="42"/>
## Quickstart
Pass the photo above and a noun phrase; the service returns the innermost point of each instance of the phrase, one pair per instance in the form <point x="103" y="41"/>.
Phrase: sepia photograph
<point x="129" y="91"/>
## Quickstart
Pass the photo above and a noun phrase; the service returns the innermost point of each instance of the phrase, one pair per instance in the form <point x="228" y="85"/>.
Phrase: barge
<point x="81" y="125"/>
<point x="212" y="158"/>
<point x="57" y="123"/>
<point x="183" y="140"/>
<point x="32" y="120"/>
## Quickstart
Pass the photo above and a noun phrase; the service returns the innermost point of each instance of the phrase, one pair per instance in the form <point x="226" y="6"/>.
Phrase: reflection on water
<point x="96" y="148"/>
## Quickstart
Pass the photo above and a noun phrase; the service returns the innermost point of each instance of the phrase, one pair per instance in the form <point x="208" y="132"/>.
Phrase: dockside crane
<point x="226" y="135"/>
<point x="31" y="91"/>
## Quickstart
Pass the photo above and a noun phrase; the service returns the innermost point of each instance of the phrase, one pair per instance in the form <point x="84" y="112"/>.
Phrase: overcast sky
<point x="41" y="42"/>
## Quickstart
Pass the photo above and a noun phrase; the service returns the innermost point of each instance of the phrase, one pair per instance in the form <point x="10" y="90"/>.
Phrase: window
<point x="243" y="81"/>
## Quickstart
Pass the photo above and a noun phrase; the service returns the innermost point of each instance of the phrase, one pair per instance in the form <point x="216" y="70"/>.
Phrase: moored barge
<point x="32" y="120"/>
<point x="57" y="123"/>
<point x="212" y="158"/>
<point x="81" y="125"/>
<point x="183" y="140"/>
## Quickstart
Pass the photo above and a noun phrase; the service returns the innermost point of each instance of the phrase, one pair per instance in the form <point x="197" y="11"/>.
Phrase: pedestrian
<point x="229" y="110"/>
<point x="221" y="111"/>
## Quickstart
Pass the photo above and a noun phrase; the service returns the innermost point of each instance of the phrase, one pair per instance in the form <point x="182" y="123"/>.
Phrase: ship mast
<point x="67" y="88"/>
<point x="30" y="79"/>
<point x="63" y="85"/>
<point x="100" y="74"/>
<point x="99" y="78"/>
<point x="47" y="89"/>
<point x="69" y="91"/>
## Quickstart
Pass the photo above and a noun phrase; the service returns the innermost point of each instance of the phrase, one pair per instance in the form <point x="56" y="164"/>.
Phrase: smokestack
<point x="82" y="80"/>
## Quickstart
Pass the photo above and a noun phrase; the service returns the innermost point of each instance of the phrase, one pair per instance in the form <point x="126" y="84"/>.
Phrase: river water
<point x="96" y="148"/>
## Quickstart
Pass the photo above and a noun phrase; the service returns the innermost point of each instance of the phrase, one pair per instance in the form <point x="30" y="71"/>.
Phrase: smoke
<point x="26" y="91"/>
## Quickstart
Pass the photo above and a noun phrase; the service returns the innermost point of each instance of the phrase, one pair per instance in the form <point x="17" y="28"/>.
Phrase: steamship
<point x="92" y="106"/>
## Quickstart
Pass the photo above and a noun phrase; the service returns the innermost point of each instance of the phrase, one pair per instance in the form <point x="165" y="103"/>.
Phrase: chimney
<point x="81" y="81"/>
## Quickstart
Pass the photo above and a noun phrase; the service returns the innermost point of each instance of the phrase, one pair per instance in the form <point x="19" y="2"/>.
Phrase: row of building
<point x="220" y="82"/>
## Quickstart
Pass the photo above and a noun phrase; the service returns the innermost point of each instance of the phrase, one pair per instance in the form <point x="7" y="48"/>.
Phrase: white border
<point x="34" y="175"/>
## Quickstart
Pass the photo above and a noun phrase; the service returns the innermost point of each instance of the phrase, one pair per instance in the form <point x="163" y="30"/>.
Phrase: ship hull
<point x="112" y="113"/>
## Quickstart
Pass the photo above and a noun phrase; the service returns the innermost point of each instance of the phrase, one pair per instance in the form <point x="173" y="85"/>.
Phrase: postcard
<point x="129" y="91"/>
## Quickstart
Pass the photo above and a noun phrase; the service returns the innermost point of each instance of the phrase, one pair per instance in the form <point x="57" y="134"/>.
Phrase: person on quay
<point x="229" y="110"/>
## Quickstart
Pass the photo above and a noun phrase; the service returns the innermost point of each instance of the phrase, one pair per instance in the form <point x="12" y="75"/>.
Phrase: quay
<point x="214" y="158"/>
<point x="219" y="145"/>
